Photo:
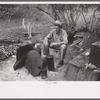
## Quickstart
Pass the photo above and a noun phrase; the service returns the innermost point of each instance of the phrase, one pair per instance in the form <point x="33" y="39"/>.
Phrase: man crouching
<point x="56" y="39"/>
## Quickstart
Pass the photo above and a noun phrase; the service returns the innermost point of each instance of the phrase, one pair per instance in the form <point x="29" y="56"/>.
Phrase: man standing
<point x="56" y="39"/>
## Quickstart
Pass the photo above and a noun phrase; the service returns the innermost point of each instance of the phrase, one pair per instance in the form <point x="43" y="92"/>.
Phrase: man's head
<point x="58" y="25"/>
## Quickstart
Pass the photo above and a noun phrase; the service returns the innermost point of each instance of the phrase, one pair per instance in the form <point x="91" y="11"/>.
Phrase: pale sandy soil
<point x="7" y="73"/>
<point x="13" y="31"/>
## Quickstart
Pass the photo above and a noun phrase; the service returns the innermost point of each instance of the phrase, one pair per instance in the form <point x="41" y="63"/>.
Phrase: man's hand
<point x="60" y="43"/>
<point x="54" y="44"/>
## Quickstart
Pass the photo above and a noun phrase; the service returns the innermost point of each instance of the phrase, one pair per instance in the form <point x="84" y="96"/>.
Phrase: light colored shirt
<point x="61" y="37"/>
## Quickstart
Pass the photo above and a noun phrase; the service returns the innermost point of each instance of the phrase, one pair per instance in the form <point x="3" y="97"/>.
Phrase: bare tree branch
<point x="45" y="12"/>
<point x="84" y="18"/>
<point x="91" y="24"/>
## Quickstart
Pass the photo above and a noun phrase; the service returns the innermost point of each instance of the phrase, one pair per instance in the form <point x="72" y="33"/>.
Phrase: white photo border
<point x="41" y="90"/>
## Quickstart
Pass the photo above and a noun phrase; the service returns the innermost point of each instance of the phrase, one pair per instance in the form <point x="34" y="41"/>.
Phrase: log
<point x="8" y="41"/>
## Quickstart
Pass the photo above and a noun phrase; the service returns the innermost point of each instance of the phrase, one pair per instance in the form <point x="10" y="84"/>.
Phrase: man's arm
<point x="46" y="39"/>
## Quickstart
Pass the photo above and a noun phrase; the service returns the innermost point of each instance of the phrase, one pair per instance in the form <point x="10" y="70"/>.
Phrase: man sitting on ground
<point x="56" y="39"/>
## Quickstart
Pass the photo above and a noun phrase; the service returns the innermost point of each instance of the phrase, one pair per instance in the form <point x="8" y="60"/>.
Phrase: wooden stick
<point x="23" y="23"/>
<point x="29" y="29"/>
<point x="33" y="27"/>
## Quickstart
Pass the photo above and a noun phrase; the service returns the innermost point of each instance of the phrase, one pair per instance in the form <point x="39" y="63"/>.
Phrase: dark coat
<point x="21" y="55"/>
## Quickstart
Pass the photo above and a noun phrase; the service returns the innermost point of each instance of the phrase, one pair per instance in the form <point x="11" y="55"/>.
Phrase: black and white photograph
<point x="49" y="49"/>
<point x="49" y="42"/>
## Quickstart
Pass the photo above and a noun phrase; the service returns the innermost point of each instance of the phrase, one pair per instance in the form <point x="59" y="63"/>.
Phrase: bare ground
<point x="12" y="31"/>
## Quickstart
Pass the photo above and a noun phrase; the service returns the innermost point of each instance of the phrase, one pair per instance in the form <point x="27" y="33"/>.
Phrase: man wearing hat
<point x="56" y="39"/>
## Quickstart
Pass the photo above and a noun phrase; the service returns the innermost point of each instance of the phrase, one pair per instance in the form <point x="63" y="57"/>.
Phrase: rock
<point x="34" y="63"/>
<point x="75" y="73"/>
<point x="3" y="55"/>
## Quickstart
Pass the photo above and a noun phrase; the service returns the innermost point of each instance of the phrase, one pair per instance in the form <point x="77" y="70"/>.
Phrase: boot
<point x="44" y="74"/>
